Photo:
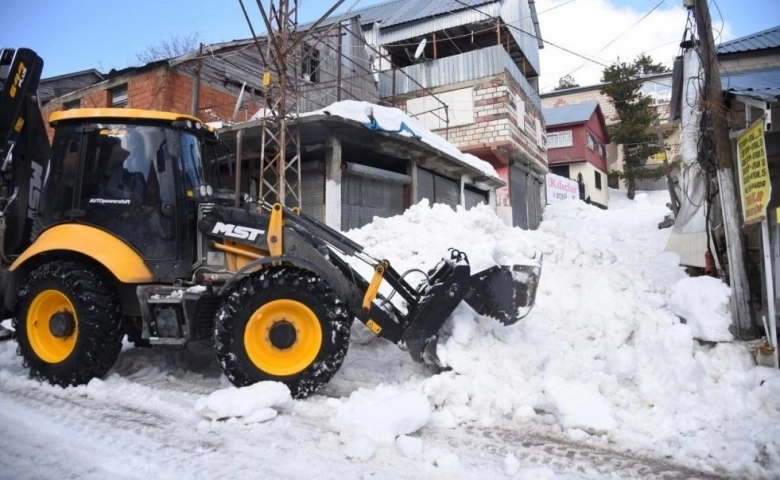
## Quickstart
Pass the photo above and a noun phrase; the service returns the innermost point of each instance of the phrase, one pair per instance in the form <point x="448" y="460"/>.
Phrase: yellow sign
<point x="753" y="172"/>
<point x="658" y="157"/>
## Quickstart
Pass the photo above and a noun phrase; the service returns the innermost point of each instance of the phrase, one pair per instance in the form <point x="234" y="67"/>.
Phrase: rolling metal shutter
<point x="313" y="193"/>
<point x="472" y="198"/>
<point x="425" y="185"/>
<point x="367" y="192"/>
<point x="519" y="197"/>
<point x="446" y="191"/>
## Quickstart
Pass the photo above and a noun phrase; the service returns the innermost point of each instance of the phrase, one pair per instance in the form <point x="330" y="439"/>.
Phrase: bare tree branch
<point x="169" y="48"/>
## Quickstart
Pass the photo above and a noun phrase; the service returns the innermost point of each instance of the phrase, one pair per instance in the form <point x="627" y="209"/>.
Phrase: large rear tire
<point x="282" y="324"/>
<point x="69" y="323"/>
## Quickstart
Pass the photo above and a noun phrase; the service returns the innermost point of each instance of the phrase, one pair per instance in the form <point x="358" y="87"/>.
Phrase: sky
<point x="107" y="34"/>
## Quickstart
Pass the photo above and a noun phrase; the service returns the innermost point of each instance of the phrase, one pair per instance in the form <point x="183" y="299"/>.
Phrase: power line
<point x="619" y="36"/>
<point x="532" y="35"/>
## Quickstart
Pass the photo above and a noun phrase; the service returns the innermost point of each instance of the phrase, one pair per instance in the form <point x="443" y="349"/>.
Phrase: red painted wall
<point x="579" y="151"/>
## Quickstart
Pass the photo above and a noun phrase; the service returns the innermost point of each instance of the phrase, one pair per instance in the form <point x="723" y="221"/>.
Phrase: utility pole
<point x="674" y="201"/>
<point x="713" y="106"/>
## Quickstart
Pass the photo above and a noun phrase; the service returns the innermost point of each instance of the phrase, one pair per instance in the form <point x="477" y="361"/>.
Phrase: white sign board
<point x="561" y="188"/>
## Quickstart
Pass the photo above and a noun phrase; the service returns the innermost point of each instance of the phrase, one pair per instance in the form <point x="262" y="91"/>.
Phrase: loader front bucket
<point x="504" y="292"/>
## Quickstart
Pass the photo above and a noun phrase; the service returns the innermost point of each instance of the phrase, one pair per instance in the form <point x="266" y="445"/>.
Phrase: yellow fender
<point x="114" y="254"/>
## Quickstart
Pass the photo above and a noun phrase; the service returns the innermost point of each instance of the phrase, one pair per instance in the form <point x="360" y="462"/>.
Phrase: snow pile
<point x="703" y="302"/>
<point x="390" y="118"/>
<point x="603" y="355"/>
<point x="252" y="404"/>
<point x="380" y="415"/>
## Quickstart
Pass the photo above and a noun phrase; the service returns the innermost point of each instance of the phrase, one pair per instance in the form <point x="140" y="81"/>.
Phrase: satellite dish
<point x="420" y="48"/>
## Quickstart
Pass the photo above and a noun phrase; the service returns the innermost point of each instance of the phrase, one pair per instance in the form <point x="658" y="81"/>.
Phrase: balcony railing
<point x="464" y="67"/>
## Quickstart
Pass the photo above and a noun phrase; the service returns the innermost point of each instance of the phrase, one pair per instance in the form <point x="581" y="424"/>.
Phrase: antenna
<point x="420" y="48"/>
<point x="238" y="103"/>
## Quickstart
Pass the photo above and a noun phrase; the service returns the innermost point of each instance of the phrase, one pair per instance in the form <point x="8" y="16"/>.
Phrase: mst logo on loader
<point x="236" y="231"/>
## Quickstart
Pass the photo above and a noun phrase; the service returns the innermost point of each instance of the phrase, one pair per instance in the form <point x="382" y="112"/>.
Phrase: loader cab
<point x="135" y="174"/>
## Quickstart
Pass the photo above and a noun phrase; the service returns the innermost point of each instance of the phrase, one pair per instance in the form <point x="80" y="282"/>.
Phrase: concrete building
<point x="659" y="89"/>
<point x="576" y="148"/>
<point x="468" y="71"/>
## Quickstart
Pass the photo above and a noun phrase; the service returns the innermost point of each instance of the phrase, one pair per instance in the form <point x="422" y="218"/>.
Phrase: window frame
<point x="568" y="139"/>
<point x="117" y="92"/>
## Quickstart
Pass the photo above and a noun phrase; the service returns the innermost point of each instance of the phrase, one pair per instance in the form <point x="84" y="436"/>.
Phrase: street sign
<point x="755" y="185"/>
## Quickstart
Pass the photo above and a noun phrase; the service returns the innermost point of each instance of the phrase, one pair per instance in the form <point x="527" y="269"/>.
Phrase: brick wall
<point x="749" y="61"/>
<point x="496" y="121"/>
<point x="159" y="89"/>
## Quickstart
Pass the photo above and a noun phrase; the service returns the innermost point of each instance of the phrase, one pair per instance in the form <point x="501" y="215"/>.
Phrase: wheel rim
<point x="46" y="345"/>
<point x="280" y="314"/>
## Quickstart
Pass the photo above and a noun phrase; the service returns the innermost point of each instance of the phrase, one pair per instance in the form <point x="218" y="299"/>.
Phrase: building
<point x="576" y="148"/>
<point x="493" y="110"/>
<point x="659" y="88"/>
<point x="53" y="87"/>
<point x="468" y="70"/>
<point x="758" y="50"/>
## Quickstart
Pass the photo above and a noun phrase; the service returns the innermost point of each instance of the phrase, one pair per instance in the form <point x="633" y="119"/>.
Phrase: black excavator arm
<point x="24" y="148"/>
<point x="310" y="244"/>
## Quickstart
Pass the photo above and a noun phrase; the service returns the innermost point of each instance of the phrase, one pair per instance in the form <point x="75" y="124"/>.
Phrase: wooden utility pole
<point x="712" y="105"/>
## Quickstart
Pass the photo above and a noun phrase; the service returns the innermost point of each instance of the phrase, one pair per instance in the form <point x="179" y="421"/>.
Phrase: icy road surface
<point x="601" y="380"/>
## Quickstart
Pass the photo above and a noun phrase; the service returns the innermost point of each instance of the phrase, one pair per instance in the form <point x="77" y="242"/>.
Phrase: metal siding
<point x="518" y="14"/>
<point x="357" y="81"/>
<point x="364" y="198"/>
<point x="761" y="84"/>
<point x="467" y="16"/>
<point x="455" y="69"/>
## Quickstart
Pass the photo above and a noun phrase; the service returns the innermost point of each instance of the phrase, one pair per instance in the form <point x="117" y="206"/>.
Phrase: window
<point x="72" y="104"/>
<point x="559" y="139"/>
<point x="430" y="110"/>
<point x="119" y="96"/>
<point x="520" y="111"/>
<point x="659" y="90"/>
<point x="310" y="65"/>
<point x="539" y="133"/>
<point x="591" y="142"/>
<point x="598" y="180"/>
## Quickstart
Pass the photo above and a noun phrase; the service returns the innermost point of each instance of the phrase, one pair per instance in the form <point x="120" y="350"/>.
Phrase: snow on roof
<point x="391" y="119"/>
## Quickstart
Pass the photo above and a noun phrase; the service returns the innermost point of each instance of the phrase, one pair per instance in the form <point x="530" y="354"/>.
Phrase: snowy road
<point x="97" y="432"/>
<point x="601" y="380"/>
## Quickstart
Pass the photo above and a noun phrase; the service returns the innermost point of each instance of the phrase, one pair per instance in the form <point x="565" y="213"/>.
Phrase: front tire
<point x="282" y="324"/>
<point x="69" y="324"/>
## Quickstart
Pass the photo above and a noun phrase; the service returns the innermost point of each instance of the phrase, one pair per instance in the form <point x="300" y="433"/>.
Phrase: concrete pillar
<point x="333" y="183"/>
<point x="463" y="179"/>
<point x="411" y="170"/>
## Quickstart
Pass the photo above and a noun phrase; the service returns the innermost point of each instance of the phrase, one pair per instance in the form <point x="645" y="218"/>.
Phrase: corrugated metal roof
<point x="762" y="84"/>
<point x="374" y="13"/>
<point x="769" y="38"/>
<point x="577" y="113"/>
<point x="420" y="9"/>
